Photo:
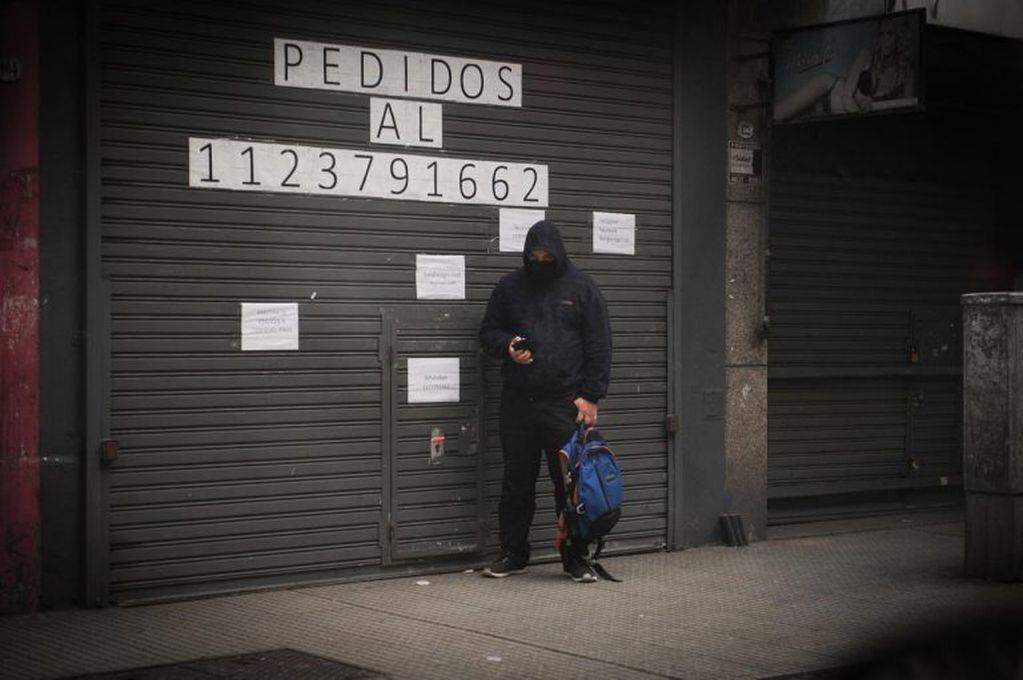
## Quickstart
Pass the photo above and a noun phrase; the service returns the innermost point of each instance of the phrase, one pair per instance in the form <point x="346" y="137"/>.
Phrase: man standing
<point x="548" y="322"/>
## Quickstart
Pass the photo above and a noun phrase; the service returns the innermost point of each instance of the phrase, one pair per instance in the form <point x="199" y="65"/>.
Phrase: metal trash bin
<point x="993" y="434"/>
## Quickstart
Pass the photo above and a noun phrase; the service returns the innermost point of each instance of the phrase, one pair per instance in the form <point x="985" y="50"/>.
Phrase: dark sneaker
<point x="505" y="565"/>
<point x="580" y="572"/>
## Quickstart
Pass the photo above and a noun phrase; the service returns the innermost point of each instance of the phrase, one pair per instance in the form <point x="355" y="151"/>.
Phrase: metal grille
<point x="242" y="469"/>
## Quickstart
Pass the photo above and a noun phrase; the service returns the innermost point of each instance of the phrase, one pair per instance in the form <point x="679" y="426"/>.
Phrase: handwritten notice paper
<point x="515" y="223"/>
<point x="432" y="379"/>
<point x="440" y="277"/>
<point x="614" y="233"/>
<point x="269" y="326"/>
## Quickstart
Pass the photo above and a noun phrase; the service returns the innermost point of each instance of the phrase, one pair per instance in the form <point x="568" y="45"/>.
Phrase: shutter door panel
<point x="437" y="503"/>
<point x="864" y="285"/>
<point x="829" y="432"/>
<point x="245" y="469"/>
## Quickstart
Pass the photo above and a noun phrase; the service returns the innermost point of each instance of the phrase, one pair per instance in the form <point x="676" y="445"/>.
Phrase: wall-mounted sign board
<point x="850" y="68"/>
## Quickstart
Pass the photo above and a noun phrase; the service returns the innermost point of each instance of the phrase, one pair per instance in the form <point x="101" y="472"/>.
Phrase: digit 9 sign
<point x="245" y="165"/>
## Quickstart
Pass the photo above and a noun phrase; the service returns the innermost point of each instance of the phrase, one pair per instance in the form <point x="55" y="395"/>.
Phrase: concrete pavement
<point x="794" y="604"/>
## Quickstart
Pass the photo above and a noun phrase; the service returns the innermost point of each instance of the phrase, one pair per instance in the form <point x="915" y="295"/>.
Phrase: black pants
<point x="530" y="428"/>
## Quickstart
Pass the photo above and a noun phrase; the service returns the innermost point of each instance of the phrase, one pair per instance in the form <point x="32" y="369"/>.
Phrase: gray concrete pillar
<point x="993" y="434"/>
<point x="745" y="269"/>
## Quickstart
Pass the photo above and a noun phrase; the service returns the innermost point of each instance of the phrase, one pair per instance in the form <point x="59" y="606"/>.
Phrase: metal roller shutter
<point x="244" y="469"/>
<point x="436" y="501"/>
<point x="865" y="356"/>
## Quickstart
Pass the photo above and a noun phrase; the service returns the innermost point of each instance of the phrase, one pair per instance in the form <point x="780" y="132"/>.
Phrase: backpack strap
<point x="602" y="572"/>
<point x="595" y="565"/>
<point x="564" y="533"/>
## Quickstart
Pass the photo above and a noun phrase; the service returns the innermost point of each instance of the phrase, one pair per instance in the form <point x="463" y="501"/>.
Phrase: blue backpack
<point x="593" y="492"/>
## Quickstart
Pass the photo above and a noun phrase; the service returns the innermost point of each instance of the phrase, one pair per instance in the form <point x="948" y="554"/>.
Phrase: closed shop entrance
<point x="875" y="233"/>
<point x="299" y="210"/>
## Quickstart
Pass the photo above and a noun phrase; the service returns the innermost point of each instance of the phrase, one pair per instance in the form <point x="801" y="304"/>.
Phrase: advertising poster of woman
<point x="854" y="67"/>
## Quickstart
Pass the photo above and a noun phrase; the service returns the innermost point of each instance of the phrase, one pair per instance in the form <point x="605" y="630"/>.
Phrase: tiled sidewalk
<point x="773" y="608"/>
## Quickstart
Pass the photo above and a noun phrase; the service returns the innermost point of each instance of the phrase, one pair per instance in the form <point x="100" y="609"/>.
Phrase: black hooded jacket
<point x="565" y="319"/>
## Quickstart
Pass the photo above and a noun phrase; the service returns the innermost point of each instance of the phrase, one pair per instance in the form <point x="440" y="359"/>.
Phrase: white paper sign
<point x="269" y="326"/>
<point x="394" y="73"/>
<point x="245" y="165"/>
<point x="433" y="380"/>
<point x="399" y="121"/>
<point x="515" y="224"/>
<point x="740" y="158"/>
<point x="440" y="277"/>
<point x="614" y="233"/>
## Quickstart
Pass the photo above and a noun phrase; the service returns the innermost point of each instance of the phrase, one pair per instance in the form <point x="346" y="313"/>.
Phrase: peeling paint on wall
<point x="19" y="314"/>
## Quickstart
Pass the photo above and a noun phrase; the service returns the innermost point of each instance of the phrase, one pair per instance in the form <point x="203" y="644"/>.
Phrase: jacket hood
<point x="545" y="234"/>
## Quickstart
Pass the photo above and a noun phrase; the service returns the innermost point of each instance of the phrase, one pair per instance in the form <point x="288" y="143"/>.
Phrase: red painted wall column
<point x="19" y="307"/>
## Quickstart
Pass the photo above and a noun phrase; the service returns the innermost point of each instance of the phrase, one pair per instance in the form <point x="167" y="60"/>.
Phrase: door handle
<point x="469" y="438"/>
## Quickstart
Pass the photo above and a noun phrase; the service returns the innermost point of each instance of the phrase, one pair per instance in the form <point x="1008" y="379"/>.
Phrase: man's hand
<point x="519" y="356"/>
<point x="587" y="412"/>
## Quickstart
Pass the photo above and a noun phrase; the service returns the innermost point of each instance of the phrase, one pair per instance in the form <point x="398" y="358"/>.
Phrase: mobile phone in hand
<point x="523" y="344"/>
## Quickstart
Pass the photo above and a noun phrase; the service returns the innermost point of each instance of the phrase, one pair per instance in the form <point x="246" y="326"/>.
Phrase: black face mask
<point x="542" y="272"/>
